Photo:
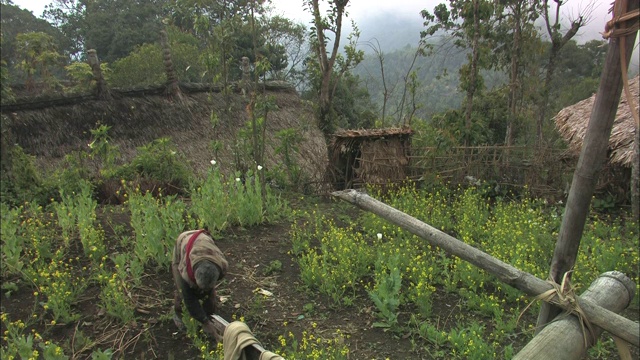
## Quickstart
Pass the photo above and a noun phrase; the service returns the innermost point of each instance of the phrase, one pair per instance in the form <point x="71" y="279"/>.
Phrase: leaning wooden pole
<point x="592" y="158"/>
<point x="597" y="315"/>
<point x="564" y="338"/>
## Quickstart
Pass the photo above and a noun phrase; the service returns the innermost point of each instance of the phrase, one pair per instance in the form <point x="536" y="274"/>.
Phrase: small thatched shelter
<point x="373" y="156"/>
<point x="572" y="123"/>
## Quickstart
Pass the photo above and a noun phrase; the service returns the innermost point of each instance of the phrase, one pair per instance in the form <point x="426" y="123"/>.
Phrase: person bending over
<point x="197" y="265"/>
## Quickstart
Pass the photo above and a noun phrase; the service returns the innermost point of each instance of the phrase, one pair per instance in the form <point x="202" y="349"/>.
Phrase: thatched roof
<point x="50" y="132"/>
<point x="572" y="123"/>
<point x="373" y="133"/>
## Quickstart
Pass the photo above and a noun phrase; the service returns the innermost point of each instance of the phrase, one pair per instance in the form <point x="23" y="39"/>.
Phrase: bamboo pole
<point x="592" y="157"/>
<point x="251" y="352"/>
<point x="597" y="315"/>
<point x="563" y="339"/>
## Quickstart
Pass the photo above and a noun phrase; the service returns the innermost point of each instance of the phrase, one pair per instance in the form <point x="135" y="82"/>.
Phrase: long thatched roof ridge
<point x="373" y="132"/>
<point x="52" y="132"/>
<point x="572" y="123"/>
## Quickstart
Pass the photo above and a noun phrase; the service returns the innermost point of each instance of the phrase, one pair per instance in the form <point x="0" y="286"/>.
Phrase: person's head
<point x="206" y="274"/>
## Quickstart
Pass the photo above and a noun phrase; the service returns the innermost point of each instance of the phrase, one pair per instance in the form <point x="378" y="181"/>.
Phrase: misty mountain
<point x="390" y="31"/>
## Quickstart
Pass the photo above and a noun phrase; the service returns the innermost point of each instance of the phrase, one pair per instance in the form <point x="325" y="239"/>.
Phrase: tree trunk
<point x="327" y="62"/>
<point x="557" y="42"/>
<point x="325" y="121"/>
<point x="514" y="81"/>
<point x="471" y="90"/>
<point x="592" y="158"/>
<point x="544" y="101"/>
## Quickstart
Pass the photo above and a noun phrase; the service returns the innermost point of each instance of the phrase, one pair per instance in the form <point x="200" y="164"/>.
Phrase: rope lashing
<point x="564" y="294"/>
<point x="620" y="26"/>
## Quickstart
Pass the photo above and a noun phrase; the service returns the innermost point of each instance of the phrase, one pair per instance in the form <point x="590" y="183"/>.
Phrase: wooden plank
<point x="252" y="352"/>
<point x="563" y="338"/>
<point x="608" y="320"/>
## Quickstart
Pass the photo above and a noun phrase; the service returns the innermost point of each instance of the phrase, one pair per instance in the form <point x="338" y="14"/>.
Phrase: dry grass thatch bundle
<point x="572" y="123"/>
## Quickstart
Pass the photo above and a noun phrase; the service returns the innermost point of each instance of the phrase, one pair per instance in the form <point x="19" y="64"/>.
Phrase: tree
<point x="515" y="39"/>
<point x="330" y="66"/>
<point x="291" y="38"/>
<point x="37" y="53"/>
<point x="113" y="27"/>
<point x="14" y="21"/>
<point x="558" y="41"/>
<point x="470" y="22"/>
<point x="577" y="73"/>
<point x="379" y="54"/>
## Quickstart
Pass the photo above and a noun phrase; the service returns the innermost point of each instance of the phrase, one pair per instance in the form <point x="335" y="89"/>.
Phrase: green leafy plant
<point x="157" y="222"/>
<point x="23" y="180"/>
<point x="101" y="147"/>
<point x="385" y="293"/>
<point x="210" y="201"/>
<point x="274" y="267"/>
<point x="81" y="75"/>
<point x="12" y="241"/>
<point x="289" y="141"/>
<point x="60" y="286"/>
<point x="115" y="295"/>
<point x="311" y="346"/>
<point x="158" y="167"/>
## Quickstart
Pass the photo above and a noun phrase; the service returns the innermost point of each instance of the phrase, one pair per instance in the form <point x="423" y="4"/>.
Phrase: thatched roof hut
<point x="572" y="123"/>
<point x="373" y="156"/>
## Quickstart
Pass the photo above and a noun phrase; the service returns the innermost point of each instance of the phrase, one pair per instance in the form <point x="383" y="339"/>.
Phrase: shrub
<point x="158" y="161"/>
<point x="22" y="181"/>
<point x="144" y="66"/>
<point x="82" y="76"/>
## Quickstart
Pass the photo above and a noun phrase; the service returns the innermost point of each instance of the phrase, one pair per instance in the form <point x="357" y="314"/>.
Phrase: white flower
<point x="237" y="179"/>
<point x="173" y="152"/>
<point x="379" y="236"/>
<point x="259" y="167"/>
<point x="213" y="162"/>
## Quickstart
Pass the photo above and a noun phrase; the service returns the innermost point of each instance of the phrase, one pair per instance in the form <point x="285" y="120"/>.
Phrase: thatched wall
<point x="51" y="132"/>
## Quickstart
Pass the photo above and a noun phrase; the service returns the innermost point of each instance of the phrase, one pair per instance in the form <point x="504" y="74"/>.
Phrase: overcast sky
<point x="360" y="10"/>
<point x="367" y="11"/>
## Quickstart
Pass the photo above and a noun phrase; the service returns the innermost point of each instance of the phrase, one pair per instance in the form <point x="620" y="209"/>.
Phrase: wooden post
<point x="102" y="91"/>
<point x="563" y="338"/>
<point x="608" y="320"/>
<point x="173" y="88"/>
<point x="246" y="73"/>
<point x="592" y="158"/>
<point x="635" y="176"/>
